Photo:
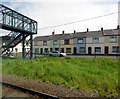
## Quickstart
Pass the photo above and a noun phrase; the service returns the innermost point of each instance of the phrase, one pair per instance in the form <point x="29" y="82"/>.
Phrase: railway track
<point x="39" y="95"/>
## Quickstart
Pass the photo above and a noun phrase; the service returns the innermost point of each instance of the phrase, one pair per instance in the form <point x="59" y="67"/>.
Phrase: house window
<point x="56" y="49"/>
<point x="51" y="49"/>
<point x="68" y="50"/>
<point x="41" y="50"/>
<point x="67" y="42"/>
<point x="95" y="40"/>
<point x="36" y="43"/>
<point x="62" y="50"/>
<point x="55" y="42"/>
<point x="113" y="39"/>
<point x="82" y="49"/>
<point x="46" y="50"/>
<point x="97" y="49"/>
<point x="115" y="49"/>
<point x="80" y="40"/>
<point x="45" y="43"/>
<point x="36" y="50"/>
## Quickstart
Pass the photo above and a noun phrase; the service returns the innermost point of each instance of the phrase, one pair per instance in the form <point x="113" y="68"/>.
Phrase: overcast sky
<point x="54" y="12"/>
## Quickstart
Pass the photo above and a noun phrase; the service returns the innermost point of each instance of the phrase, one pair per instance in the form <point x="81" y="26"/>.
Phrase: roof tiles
<point x="99" y="33"/>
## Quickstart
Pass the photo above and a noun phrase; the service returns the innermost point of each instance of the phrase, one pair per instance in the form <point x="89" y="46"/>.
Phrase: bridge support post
<point x="31" y="46"/>
<point x="23" y="47"/>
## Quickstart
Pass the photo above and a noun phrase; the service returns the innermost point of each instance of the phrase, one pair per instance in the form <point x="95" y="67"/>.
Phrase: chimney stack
<point x="74" y="31"/>
<point x="53" y="33"/>
<point x="118" y="27"/>
<point x="63" y="32"/>
<point x="101" y="29"/>
<point x="87" y="30"/>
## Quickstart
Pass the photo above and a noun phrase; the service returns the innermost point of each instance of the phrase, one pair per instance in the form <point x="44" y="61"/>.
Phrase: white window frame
<point x="80" y="40"/>
<point x="115" y="50"/>
<point x="55" y="42"/>
<point x="67" y="50"/>
<point x="45" y="44"/>
<point x="95" y="40"/>
<point x="113" y="39"/>
<point x="37" y="50"/>
<point x="36" y="43"/>
<point x="68" y="41"/>
<point x="81" y="49"/>
<point x="96" y="51"/>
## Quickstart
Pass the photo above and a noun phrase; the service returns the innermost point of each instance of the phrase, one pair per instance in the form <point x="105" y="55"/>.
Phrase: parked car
<point x="46" y="53"/>
<point x="57" y="53"/>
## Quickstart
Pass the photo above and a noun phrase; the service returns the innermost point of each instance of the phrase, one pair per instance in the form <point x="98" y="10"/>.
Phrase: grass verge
<point x="93" y="75"/>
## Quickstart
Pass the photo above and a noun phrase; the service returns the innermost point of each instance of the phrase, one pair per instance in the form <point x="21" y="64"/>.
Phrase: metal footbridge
<point x="20" y="27"/>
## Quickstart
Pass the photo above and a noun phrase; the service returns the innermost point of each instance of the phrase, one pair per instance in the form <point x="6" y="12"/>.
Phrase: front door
<point x="56" y="49"/>
<point x="51" y="49"/>
<point x="62" y="50"/>
<point x="89" y="50"/>
<point x="75" y="50"/>
<point x="106" y="50"/>
<point x="41" y="50"/>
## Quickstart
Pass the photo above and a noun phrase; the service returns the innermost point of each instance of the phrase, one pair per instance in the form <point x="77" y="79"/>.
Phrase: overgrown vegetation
<point x="93" y="75"/>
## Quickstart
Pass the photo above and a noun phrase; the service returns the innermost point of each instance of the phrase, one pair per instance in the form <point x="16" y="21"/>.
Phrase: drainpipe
<point x="53" y="34"/>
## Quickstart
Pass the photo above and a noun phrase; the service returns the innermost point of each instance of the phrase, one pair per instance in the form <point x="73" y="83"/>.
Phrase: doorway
<point x="106" y="50"/>
<point x="41" y="50"/>
<point x="89" y="50"/>
<point x="62" y="50"/>
<point x="75" y="50"/>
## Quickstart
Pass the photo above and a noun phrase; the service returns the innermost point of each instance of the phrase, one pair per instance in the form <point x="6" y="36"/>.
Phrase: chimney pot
<point x="87" y="30"/>
<point x="63" y="32"/>
<point x="53" y="33"/>
<point x="74" y="31"/>
<point x="102" y="29"/>
<point x="118" y="27"/>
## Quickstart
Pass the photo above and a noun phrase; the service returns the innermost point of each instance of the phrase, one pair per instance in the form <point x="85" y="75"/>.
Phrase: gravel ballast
<point x="52" y="89"/>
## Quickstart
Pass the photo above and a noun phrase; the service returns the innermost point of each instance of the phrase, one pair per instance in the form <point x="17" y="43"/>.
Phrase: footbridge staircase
<point x="19" y="26"/>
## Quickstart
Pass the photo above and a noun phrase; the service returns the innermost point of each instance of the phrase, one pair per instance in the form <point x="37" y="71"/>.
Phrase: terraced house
<point x="79" y="43"/>
<point x="112" y="41"/>
<point x="41" y="44"/>
<point x="95" y="42"/>
<point x="55" y="42"/>
<point x="66" y="43"/>
<point x="88" y="43"/>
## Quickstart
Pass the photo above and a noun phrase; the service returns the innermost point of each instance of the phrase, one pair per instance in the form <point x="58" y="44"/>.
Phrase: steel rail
<point x="32" y="92"/>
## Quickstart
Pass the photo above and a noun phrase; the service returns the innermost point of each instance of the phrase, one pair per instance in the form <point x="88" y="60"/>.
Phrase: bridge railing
<point x="10" y="19"/>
